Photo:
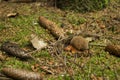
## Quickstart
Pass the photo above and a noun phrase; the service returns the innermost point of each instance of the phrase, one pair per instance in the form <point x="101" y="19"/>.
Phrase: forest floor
<point x="99" y="66"/>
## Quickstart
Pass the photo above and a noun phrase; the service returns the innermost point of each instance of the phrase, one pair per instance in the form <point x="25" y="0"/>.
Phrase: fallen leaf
<point x="74" y="50"/>
<point x="93" y="77"/>
<point x="37" y="44"/>
<point x="12" y="15"/>
<point x="35" y="67"/>
<point x="70" y="48"/>
<point x="102" y="26"/>
<point x="46" y="69"/>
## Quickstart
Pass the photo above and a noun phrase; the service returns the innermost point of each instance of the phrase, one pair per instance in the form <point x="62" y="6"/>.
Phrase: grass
<point x="75" y="20"/>
<point x="20" y="28"/>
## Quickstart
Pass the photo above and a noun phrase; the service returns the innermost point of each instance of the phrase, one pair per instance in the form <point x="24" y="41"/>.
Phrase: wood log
<point x="113" y="49"/>
<point x="52" y="27"/>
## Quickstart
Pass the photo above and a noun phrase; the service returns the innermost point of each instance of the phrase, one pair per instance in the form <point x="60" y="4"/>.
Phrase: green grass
<point x="75" y="20"/>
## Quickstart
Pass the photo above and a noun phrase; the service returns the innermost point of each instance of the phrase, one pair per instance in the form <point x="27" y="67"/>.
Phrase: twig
<point x="68" y="38"/>
<point x="76" y="64"/>
<point x="66" y="67"/>
<point x="46" y="70"/>
<point x="100" y="45"/>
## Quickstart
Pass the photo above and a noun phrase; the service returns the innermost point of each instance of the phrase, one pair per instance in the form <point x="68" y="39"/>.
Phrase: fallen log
<point x="52" y="27"/>
<point x="113" y="49"/>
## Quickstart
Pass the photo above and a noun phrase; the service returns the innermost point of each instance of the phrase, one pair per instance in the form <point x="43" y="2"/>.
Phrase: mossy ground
<point x="19" y="29"/>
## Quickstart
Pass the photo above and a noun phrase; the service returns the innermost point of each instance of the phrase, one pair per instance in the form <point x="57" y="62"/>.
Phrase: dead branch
<point x="47" y="71"/>
<point x="62" y="60"/>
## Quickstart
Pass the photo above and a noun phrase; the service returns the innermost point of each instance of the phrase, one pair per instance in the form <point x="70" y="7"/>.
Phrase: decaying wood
<point x="14" y="50"/>
<point x="19" y="74"/>
<point x="113" y="49"/>
<point x="51" y="26"/>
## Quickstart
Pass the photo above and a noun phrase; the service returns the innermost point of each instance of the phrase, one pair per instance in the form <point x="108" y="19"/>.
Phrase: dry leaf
<point x="46" y="69"/>
<point x="38" y="44"/>
<point x="12" y="14"/>
<point x="102" y="26"/>
<point x="35" y="67"/>
<point x="70" y="48"/>
<point x="93" y="77"/>
<point x="74" y="50"/>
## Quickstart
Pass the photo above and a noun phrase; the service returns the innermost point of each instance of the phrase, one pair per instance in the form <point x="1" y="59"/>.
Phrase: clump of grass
<point x="75" y="19"/>
<point x="16" y="63"/>
<point x="2" y="26"/>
